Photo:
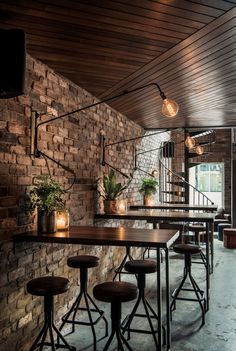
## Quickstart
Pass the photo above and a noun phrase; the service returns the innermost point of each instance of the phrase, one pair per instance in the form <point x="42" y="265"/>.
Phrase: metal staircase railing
<point x="172" y="187"/>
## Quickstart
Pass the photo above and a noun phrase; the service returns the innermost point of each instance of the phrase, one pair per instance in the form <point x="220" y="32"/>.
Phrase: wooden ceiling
<point x="108" y="46"/>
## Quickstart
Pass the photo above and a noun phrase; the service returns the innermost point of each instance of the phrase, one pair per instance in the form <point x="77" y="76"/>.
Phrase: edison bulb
<point x="155" y="173"/>
<point x="190" y="142"/>
<point x="170" y="108"/>
<point x="199" y="150"/>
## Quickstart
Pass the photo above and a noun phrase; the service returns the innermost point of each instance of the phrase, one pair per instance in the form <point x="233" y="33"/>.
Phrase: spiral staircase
<point x="174" y="165"/>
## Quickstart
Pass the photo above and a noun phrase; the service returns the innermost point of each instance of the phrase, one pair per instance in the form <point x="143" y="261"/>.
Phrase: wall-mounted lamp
<point x="155" y="173"/>
<point x="169" y="109"/>
<point x="103" y="162"/>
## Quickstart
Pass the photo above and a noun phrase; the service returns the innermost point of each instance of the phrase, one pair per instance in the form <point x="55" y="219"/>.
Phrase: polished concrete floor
<point x="219" y="331"/>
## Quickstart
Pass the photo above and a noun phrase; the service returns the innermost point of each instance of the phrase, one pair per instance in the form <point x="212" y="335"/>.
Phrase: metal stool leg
<point x="119" y="270"/>
<point x="116" y="329"/>
<point x="48" y="328"/>
<point x="76" y="308"/>
<point x="195" y="288"/>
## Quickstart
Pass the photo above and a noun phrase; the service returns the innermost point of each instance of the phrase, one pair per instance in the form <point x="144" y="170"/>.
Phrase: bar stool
<point x="84" y="262"/>
<point x="188" y="250"/>
<point x="140" y="268"/>
<point x="198" y="230"/>
<point x="49" y="287"/>
<point x="116" y="293"/>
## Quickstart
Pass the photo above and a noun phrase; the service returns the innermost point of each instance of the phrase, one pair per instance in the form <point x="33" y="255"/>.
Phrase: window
<point x="209" y="177"/>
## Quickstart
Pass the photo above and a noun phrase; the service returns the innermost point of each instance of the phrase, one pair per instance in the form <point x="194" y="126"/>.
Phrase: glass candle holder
<point x="62" y="220"/>
<point x="121" y="206"/>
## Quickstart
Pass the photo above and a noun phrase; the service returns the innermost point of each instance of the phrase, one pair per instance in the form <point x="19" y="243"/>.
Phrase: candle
<point x="62" y="220"/>
<point x="121" y="206"/>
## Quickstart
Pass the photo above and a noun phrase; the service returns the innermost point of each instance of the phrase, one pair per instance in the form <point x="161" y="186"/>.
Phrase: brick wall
<point x="74" y="141"/>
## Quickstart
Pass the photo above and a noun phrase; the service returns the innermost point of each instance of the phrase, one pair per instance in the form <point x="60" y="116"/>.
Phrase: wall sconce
<point x="169" y="109"/>
<point x="155" y="173"/>
<point x="62" y="220"/>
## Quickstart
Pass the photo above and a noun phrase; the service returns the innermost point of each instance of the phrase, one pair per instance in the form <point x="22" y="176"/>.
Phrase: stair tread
<point x="193" y="154"/>
<point x="173" y="192"/>
<point x="180" y="183"/>
<point x="200" y="132"/>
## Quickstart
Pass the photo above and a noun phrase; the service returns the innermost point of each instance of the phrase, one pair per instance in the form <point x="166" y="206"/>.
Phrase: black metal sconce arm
<point x="35" y="125"/>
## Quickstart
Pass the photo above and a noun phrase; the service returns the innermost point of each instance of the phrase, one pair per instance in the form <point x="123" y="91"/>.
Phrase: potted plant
<point x="111" y="190"/>
<point x="148" y="189"/>
<point x="47" y="198"/>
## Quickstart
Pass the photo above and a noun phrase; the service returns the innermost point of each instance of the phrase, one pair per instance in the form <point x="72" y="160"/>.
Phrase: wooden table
<point x="154" y="216"/>
<point x="158" y="238"/>
<point x="184" y="207"/>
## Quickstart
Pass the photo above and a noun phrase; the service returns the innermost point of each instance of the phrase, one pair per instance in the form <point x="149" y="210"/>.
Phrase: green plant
<point x="47" y="195"/>
<point x="111" y="189"/>
<point x="148" y="186"/>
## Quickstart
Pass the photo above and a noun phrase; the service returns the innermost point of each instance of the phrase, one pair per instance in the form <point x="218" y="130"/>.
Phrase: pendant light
<point x="199" y="150"/>
<point x="190" y="142"/>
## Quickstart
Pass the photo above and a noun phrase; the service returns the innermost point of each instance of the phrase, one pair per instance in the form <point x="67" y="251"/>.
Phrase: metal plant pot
<point x="148" y="200"/>
<point x="47" y="222"/>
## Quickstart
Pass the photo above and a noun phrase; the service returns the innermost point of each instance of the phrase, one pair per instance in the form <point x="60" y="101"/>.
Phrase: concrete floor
<point x="219" y="331"/>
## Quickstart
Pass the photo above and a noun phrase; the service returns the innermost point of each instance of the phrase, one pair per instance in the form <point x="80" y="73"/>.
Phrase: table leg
<point x="159" y="298"/>
<point x="168" y="324"/>
<point x="207" y="266"/>
<point x="212" y="247"/>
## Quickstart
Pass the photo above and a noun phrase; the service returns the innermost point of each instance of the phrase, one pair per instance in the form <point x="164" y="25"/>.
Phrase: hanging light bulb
<point x="170" y="108"/>
<point x="155" y="173"/>
<point x="190" y="142"/>
<point x="199" y="150"/>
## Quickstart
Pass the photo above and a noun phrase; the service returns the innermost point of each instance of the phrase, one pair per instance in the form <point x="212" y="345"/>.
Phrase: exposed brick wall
<point x="74" y="141"/>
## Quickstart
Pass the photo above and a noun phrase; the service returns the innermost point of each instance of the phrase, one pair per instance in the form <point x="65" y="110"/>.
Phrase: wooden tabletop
<point x="155" y="216"/>
<point x="162" y="238"/>
<point x="189" y="207"/>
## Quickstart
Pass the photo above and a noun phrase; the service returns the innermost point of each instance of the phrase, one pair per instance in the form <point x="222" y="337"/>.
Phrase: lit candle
<point x="122" y="206"/>
<point x="62" y="220"/>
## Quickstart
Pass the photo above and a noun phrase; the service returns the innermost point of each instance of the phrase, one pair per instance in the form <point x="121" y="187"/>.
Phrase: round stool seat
<point x="140" y="266"/>
<point x="221" y="227"/>
<point x="196" y="228"/>
<point x="46" y="286"/>
<point x="83" y="261"/>
<point x="187" y="249"/>
<point x="115" y="292"/>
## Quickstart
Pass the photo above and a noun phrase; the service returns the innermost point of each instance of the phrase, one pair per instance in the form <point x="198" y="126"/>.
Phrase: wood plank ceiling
<point x="108" y="46"/>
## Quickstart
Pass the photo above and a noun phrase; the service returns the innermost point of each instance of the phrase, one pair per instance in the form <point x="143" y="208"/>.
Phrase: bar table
<point x="183" y="207"/>
<point x="154" y="217"/>
<point x="158" y="238"/>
